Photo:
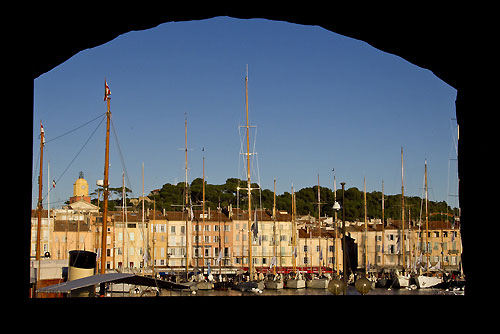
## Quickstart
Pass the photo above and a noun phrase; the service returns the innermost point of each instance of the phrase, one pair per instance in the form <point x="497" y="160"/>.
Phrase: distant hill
<point x="171" y="198"/>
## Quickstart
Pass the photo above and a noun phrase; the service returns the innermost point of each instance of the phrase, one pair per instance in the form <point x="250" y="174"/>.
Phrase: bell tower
<point x="80" y="190"/>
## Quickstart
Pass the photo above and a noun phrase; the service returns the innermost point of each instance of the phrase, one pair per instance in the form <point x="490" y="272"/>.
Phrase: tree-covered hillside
<point x="170" y="195"/>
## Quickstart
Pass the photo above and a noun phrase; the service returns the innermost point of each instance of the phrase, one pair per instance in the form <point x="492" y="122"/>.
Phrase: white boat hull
<point x="404" y="281"/>
<point x="295" y="284"/>
<point x="425" y="282"/>
<point x="321" y="283"/>
<point x="274" y="285"/>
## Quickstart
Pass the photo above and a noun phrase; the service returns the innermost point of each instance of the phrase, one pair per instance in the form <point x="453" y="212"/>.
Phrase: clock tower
<point x="80" y="190"/>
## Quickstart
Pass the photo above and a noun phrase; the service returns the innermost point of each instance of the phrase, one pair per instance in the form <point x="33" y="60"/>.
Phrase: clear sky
<point x="319" y="101"/>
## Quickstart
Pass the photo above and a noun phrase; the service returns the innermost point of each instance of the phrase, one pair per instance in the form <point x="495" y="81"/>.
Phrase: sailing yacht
<point x="320" y="281"/>
<point x="426" y="280"/>
<point x="275" y="281"/>
<point x="294" y="280"/>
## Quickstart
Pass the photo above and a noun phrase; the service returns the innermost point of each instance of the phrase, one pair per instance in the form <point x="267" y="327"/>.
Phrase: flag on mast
<point x="107" y="91"/>
<point x="42" y="132"/>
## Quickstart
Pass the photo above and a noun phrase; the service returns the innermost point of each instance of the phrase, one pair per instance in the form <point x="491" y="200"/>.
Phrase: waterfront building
<point x="212" y="240"/>
<point x="272" y="245"/>
<point x="315" y="251"/>
<point x="443" y="245"/>
<point x="160" y="241"/>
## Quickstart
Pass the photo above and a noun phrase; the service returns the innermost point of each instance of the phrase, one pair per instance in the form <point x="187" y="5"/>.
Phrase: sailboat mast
<point x="383" y="225"/>
<point x="144" y="247"/>
<point x="426" y="220"/>
<point x="123" y="218"/>
<point x="39" y="205"/>
<point x="319" y="228"/>
<point x="274" y="227"/>
<point x="48" y="204"/>
<point x="335" y="226"/>
<point x="106" y="189"/>
<point x="294" y="235"/>
<point x="40" y="184"/>
<point x="186" y="194"/>
<point x="203" y="228"/>
<point x="250" y="260"/>
<point x="366" y="228"/>
<point x="403" y="250"/>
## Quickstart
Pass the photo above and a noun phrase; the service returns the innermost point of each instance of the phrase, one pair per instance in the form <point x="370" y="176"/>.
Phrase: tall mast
<point x="403" y="250"/>
<point x="366" y="229"/>
<point x="335" y="225"/>
<point x="250" y="260"/>
<point x="153" y="248"/>
<point x="123" y="217"/>
<point x="144" y="247"/>
<point x="383" y="225"/>
<point x="426" y="220"/>
<point x="203" y="228"/>
<point x="274" y="227"/>
<point x="294" y="235"/>
<point x="39" y="206"/>
<point x="186" y="194"/>
<point x="319" y="228"/>
<point x="105" y="185"/>
<point x="48" y="204"/>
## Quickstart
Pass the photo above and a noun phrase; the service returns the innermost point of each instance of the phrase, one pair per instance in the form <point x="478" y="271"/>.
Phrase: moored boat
<point x="295" y="282"/>
<point x="274" y="283"/>
<point x="318" y="283"/>
<point x="424" y="281"/>
<point x="403" y="280"/>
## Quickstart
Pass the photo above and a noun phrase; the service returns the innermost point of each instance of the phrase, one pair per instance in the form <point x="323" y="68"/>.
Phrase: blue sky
<point x="319" y="101"/>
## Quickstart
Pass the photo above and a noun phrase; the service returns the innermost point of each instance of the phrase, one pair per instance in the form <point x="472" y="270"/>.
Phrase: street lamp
<point x="336" y="286"/>
<point x="344" y="245"/>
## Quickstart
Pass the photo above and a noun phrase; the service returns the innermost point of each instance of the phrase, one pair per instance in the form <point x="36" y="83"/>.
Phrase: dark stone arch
<point x="442" y="40"/>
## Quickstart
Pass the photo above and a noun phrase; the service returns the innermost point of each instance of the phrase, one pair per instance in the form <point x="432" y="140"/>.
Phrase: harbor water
<point x="290" y="292"/>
